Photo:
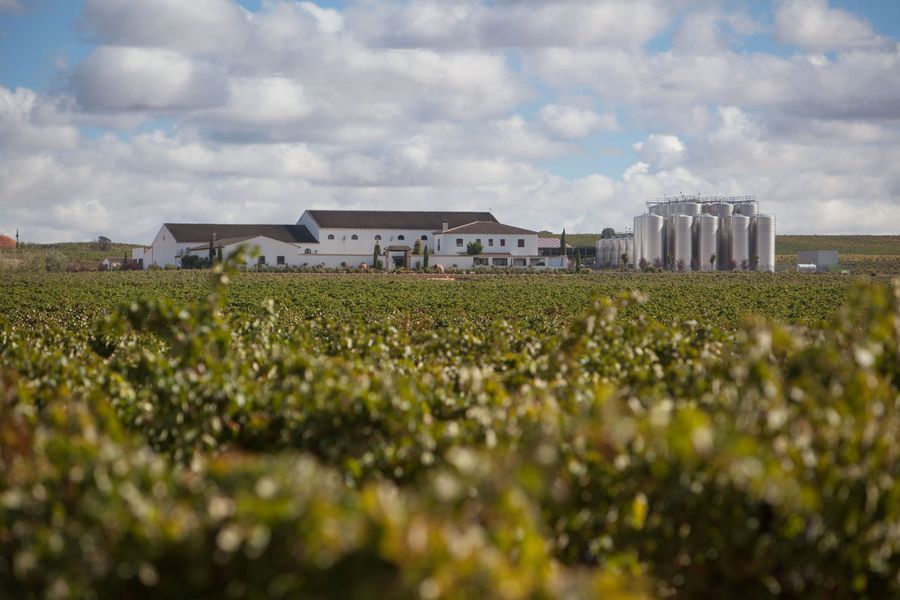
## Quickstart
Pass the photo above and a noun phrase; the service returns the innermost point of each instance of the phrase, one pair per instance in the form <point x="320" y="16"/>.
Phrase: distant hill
<point x="80" y="256"/>
<point x="868" y="245"/>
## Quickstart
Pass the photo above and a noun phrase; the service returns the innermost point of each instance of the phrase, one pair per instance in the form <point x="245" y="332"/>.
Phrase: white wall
<point x="343" y="242"/>
<point x="164" y="249"/>
<point x="449" y="247"/>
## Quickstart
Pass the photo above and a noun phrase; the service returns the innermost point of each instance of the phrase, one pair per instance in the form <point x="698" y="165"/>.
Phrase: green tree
<point x="577" y="259"/>
<point x="376" y="263"/>
<point x="212" y="249"/>
<point x="608" y="232"/>
<point x="425" y="258"/>
<point x="417" y="247"/>
<point x="712" y="261"/>
<point x="562" y="243"/>
<point x="219" y="253"/>
<point x="474" y="248"/>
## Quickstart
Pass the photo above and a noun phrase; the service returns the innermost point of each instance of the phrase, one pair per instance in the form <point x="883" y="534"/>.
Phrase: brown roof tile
<point x="202" y="232"/>
<point x="395" y="219"/>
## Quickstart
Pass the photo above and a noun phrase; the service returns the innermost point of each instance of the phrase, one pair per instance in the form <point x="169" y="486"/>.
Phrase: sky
<point x="119" y="115"/>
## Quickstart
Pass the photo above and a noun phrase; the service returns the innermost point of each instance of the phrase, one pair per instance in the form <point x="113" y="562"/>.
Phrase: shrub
<point x="55" y="261"/>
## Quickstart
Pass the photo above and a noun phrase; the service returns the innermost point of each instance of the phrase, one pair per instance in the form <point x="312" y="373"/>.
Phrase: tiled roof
<point x="550" y="243"/>
<point x="202" y="232"/>
<point x="395" y="219"/>
<point x="488" y="227"/>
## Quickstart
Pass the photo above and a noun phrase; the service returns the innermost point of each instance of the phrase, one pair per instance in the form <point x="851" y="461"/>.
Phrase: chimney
<point x="445" y="226"/>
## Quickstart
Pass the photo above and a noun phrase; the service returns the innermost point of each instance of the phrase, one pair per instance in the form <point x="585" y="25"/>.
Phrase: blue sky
<point x="520" y="106"/>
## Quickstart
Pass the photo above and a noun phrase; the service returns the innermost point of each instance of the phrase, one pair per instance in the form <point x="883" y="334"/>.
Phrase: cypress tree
<point x="375" y="255"/>
<point x="425" y="257"/>
<point x="577" y="260"/>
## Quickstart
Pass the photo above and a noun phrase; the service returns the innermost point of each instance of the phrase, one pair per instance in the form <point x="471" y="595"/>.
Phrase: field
<point x="75" y="256"/>
<point x="621" y="435"/>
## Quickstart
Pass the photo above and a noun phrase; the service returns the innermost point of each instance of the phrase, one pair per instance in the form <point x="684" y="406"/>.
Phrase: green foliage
<point x="32" y="257"/>
<point x="417" y="247"/>
<point x="872" y="245"/>
<point x="201" y="443"/>
<point x="55" y="262"/>
<point x="562" y="243"/>
<point x="425" y="258"/>
<point x="474" y="248"/>
<point x="608" y="232"/>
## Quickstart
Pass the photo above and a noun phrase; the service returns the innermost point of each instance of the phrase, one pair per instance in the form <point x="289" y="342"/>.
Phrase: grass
<point x="80" y="256"/>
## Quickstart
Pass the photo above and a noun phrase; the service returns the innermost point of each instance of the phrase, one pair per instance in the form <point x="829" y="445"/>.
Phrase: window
<point x="518" y="262"/>
<point x="439" y="244"/>
<point x="378" y="237"/>
<point x="459" y="242"/>
<point x="354" y="237"/>
<point x="330" y="236"/>
<point x="307" y="251"/>
<point x="502" y="241"/>
<point x="521" y="243"/>
<point x="401" y="237"/>
<point x="261" y="260"/>
<point x="501" y="262"/>
<point x="279" y="260"/>
<point x="478" y="241"/>
<point x="490" y="241"/>
<point x="480" y="261"/>
<point x="424" y="238"/>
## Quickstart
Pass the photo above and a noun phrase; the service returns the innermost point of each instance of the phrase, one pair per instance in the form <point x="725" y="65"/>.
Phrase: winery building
<point x="348" y="238"/>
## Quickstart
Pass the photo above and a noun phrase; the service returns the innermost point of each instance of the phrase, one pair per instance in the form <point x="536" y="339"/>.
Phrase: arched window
<point x="424" y="238"/>
<point x="307" y="251"/>
<point x="354" y="237"/>
<point x="378" y="237"/>
<point x="401" y="237"/>
<point x="330" y="236"/>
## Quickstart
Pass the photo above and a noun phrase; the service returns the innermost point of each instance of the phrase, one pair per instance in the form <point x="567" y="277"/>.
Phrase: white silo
<point x="598" y="250"/>
<point x="691" y="208"/>
<point x="638" y="238"/>
<point x="707" y="231"/>
<point x="621" y="248"/>
<point x="724" y="253"/>
<point x="740" y="241"/>
<point x="748" y="209"/>
<point x="723" y="209"/>
<point x="682" y="242"/>
<point x="765" y="243"/>
<point x="652" y="239"/>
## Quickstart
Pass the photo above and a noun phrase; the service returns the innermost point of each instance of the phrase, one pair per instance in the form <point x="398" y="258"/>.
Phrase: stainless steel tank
<point x="707" y="228"/>
<point x="740" y="241"/>
<point x="765" y="243"/>
<point x="691" y="208"/>
<point x="682" y="242"/>
<point x="652" y="239"/>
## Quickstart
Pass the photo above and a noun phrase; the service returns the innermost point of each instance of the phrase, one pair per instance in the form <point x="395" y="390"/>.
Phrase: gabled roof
<point x="395" y="219"/>
<point x="544" y="242"/>
<point x="486" y="227"/>
<point x="202" y="232"/>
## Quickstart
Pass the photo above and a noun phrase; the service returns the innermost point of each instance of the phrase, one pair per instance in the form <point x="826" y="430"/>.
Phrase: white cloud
<point x="124" y="78"/>
<point x="571" y="122"/>
<point x="419" y="104"/>
<point x="509" y="23"/>
<point x="811" y="24"/>
<point x="11" y="6"/>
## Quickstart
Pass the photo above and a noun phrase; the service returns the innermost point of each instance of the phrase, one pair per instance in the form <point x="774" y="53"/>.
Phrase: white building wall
<point x="164" y="249"/>
<point x="448" y="243"/>
<point x="343" y="242"/>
